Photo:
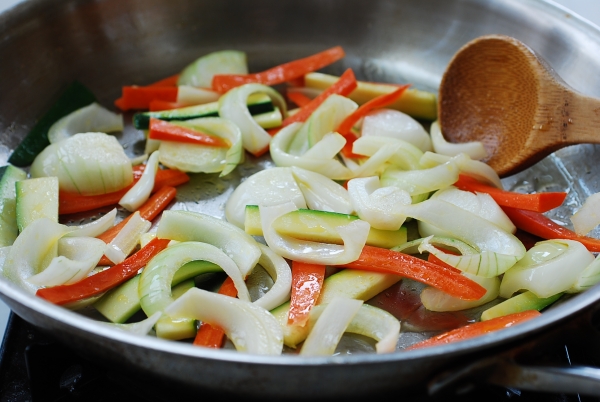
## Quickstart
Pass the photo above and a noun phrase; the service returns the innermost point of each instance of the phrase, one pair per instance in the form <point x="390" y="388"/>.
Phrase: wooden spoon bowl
<point x="498" y="91"/>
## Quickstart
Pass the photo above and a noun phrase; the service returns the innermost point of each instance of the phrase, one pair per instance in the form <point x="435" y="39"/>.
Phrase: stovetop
<point x="35" y="367"/>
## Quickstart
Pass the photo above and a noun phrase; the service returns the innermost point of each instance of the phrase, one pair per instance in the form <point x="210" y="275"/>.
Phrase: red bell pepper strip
<point x="279" y="74"/>
<point x="394" y="262"/>
<point x="70" y="203"/>
<point x="211" y="336"/>
<point x="104" y="280"/>
<point x="298" y="98"/>
<point x="343" y="86"/>
<point x="477" y="329"/>
<point x="539" y="202"/>
<point x="163" y="130"/>
<point x="307" y="282"/>
<point x="136" y="97"/>
<point x="538" y="224"/>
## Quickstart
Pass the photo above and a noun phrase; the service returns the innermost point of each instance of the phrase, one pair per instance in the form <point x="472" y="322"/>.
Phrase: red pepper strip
<point x="344" y="86"/>
<point x="298" y="98"/>
<point x="389" y="261"/>
<point x="307" y="281"/>
<point x="70" y="203"/>
<point x="297" y="82"/>
<point x="149" y="210"/>
<point x="104" y="280"/>
<point x="163" y="130"/>
<point x="135" y="97"/>
<point x="211" y="336"/>
<point x="279" y="74"/>
<point x="539" y="202"/>
<point x="477" y="329"/>
<point x="538" y="224"/>
<point x="158" y="105"/>
<point x="345" y="127"/>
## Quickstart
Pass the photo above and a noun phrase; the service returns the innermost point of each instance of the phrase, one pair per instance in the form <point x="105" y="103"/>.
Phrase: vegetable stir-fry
<point x="364" y="221"/>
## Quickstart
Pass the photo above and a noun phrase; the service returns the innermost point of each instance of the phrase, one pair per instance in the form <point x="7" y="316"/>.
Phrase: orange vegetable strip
<point x="211" y="336"/>
<point x="136" y="97"/>
<point x="344" y="86"/>
<point x="538" y="224"/>
<point x="539" y="202"/>
<point x="163" y="130"/>
<point x="70" y="203"/>
<point x="149" y="210"/>
<point x="279" y="74"/>
<point x="394" y="262"/>
<point x="298" y="98"/>
<point x="105" y="280"/>
<point x="477" y="329"/>
<point x="345" y="128"/>
<point x="307" y="282"/>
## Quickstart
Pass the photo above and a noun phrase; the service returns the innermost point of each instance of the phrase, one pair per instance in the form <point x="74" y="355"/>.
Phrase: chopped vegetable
<point x="166" y="131"/>
<point x="307" y="281"/>
<point x="211" y="336"/>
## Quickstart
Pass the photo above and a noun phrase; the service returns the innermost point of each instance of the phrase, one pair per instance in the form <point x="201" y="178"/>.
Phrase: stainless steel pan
<point x="44" y="44"/>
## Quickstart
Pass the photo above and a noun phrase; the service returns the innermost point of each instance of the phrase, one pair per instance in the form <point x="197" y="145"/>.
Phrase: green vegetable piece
<point x="516" y="304"/>
<point x="9" y="175"/>
<point x="74" y="97"/>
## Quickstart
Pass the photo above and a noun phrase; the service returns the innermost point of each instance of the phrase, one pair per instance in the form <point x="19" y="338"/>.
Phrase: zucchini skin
<point x="74" y="97"/>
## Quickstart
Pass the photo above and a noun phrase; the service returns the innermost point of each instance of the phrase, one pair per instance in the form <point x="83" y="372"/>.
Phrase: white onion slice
<point x="380" y="206"/>
<point x="588" y="216"/>
<point x="354" y="236"/>
<point x="189" y="95"/>
<point x="251" y="328"/>
<point x="329" y="327"/>
<point x="95" y="228"/>
<point x="127" y="239"/>
<point x="405" y="155"/>
<point x="588" y="278"/>
<point x="435" y="300"/>
<point x="78" y="256"/>
<point x="474" y="149"/>
<point x="139" y="328"/>
<point x="423" y="181"/>
<point x="548" y="268"/>
<point x="140" y="192"/>
<point x="280" y="271"/>
<point x="91" y="118"/>
<point x="476" y="169"/>
<point x="322" y="193"/>
<point x="395" y="124"/>
<point x="378" y="324"/>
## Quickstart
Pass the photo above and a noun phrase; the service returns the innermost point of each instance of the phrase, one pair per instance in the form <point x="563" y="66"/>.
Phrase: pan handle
<point x="506" y="373"/>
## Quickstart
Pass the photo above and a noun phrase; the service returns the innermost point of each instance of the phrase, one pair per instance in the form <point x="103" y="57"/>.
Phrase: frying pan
<point x="45" y="44"/>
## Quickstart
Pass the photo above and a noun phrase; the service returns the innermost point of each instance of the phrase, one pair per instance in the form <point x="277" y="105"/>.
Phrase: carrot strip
<point x="149" y="210"/>
<point x="445" y="279"/>
<point x="538" y="224"/>
<point x="105" y="280"/>
<point x="477" y="329"/>
<point x="211" y="336"/>
<point x="298" y="98"/>
<point x="163" y="130"/>
<point x="307" y="282"/>
<point x="345" y="128"/>
<point x="279" y="74"/>
<point x="539" y="202"/>
<point x="70" y="203"/>
<point x="136" y="97"/>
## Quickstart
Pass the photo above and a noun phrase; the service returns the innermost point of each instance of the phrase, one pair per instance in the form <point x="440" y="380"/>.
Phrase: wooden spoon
<point x="498" y="91"/>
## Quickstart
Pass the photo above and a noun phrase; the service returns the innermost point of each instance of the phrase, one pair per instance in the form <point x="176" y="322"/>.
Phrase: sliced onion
<point x="32" y="251"/>
<point x="377" y="324"/>
<point x="474" y="149"/>
<point x="78" y="256"/>
<point x="127" y="239"/>
<point x="140" y="328"/>
<point x="91" y="118"/>
<point x="86" y="163"/>
<point x="251" y="328"/>
<point x="270" y="185"/>
<point x="423" y="181"/>
<point x="95" y="228"/>
<point x="412" y="247"/>
<point x="188" y="95"/>
<point x="233" y="106"/>
<point x="548" y="268"/>
<point x="404" y="155"/>
<point x="381" y="207"/>
<point x="395" y="124"/>
<point x="329" y="327"/>
<point x="354" y="236"/>
<point x="322" y="193"/>
<point x="280" y="271"/>
<point x="588" y="278"/>
<point x="588" y="216"/>
<point x="435" y="300"/>
<point x="140" y="192"/>
<point x="476" y="169"/>
<point x="194" y="226"/>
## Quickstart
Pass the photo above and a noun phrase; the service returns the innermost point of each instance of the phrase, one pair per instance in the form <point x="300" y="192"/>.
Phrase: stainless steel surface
<point x="106" y="44"/>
